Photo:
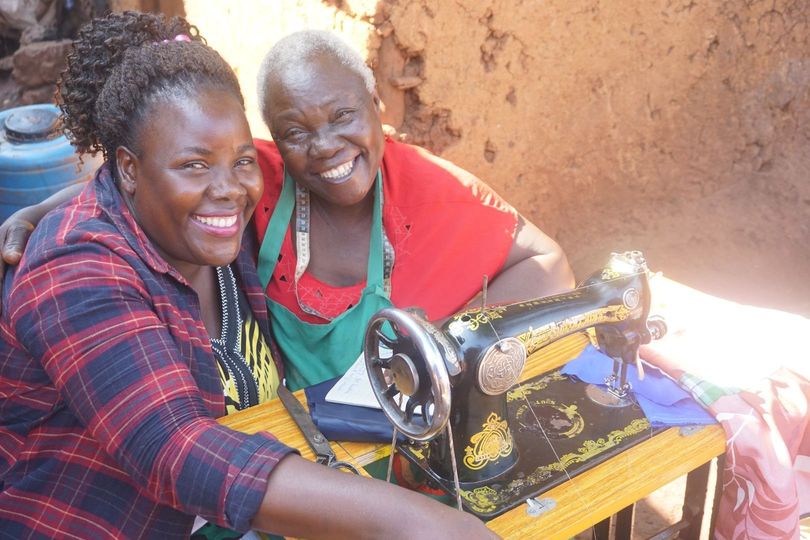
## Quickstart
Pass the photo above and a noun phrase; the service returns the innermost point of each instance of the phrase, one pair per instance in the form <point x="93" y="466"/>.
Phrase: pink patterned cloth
<point x="766" y="480"/>
<point x="751" y="368"/>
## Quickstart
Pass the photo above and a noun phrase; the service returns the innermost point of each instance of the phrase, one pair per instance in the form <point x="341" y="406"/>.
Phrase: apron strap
<point x="375" y="275"/>
<point x="296" y="197"/>
<point x="276" y="229"/>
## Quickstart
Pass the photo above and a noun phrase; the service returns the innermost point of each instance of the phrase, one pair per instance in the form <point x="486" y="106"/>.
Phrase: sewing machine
<point x="453" y="390"/>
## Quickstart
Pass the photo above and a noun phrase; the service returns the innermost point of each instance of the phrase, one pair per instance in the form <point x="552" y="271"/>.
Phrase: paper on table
<point x="354" y="388"/>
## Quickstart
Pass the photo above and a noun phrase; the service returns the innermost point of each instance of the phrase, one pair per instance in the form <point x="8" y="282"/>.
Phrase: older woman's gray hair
<point x="289" y="54"/>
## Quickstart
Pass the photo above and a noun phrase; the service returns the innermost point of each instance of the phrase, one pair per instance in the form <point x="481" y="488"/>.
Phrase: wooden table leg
<point x="718" y="491"/>
<point x="624" y="523"/>
<point x="601" y="531"/>
<point x="694" y="500"/>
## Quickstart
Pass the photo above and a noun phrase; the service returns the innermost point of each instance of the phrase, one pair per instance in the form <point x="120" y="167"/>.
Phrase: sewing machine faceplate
<point x="583" y="434"/>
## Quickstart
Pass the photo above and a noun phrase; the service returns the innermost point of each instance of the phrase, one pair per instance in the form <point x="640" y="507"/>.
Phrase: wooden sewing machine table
<point x="587" y="500"/>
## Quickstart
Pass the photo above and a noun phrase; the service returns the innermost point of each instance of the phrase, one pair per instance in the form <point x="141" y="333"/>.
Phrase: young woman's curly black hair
<point x="120" y="66"/>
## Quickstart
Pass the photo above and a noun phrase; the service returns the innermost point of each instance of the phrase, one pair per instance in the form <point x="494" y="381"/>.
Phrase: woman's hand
<point x="17" y="229"/>
<point x="14" y="234"/>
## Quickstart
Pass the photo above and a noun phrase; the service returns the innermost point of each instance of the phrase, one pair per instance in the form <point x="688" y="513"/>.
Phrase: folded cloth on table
<point x="339" y="422"/>
<point x="662" y="400"/>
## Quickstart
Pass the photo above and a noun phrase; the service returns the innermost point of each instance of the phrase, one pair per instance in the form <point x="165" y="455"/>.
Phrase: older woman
<point x="351" y="221"/>
<point x="375" y="222"/>
<point x="136" y="318"/>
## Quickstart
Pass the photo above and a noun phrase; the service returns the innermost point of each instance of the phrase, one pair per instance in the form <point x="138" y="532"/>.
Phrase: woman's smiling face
<point x="195" y="180"/>
<point x="327" y="127"/>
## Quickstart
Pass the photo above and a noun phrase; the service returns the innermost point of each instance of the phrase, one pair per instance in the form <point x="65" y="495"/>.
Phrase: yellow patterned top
<point x="245" y="362"/>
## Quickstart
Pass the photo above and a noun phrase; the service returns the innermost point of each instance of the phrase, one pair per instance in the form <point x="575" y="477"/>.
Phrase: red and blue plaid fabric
<point x="109" y="389"/>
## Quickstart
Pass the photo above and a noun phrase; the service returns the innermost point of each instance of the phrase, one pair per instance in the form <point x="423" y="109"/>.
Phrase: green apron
<point x="318" y="352"/>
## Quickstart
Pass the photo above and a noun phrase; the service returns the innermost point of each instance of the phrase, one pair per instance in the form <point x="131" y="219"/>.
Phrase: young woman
<point x="135" y="319"/>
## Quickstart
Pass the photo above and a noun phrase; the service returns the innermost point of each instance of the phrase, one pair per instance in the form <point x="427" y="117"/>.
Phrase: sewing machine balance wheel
<point x="407" y="371"/>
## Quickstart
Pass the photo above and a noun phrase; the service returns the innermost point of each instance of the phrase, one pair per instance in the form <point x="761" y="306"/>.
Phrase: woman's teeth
<point x="219" y="222"/>
<point x="338" y="172"/>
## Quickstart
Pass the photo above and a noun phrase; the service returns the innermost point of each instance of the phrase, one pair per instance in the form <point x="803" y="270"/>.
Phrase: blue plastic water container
<point x="36" y="159"/>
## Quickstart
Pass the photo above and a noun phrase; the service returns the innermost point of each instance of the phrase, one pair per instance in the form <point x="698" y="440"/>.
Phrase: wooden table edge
<point x="605" y="489"/>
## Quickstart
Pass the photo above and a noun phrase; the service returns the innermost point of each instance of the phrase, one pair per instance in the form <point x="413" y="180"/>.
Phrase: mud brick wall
<point x="679" y="127"/>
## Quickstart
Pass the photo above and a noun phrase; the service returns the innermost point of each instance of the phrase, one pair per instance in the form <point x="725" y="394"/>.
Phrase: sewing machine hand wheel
<point x="415" y="370"/>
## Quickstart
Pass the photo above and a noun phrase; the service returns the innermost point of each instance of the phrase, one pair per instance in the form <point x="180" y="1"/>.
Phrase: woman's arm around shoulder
<point x="15" y="231"/>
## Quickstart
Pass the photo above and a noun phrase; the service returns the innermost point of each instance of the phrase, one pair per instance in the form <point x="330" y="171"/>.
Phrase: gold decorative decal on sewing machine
<point x="473" y="319"/>
<point x="609" y="273"/>
<point x="537" y="338"/>
<point x="549" y="419"/>
<point x="481" y="498"/>
<point x="419" y="450"/>
<point x="485" y="499"/>
<point x="591" y="448"/>
<point x="490" y="444"/>
<point x="525" y="390"/>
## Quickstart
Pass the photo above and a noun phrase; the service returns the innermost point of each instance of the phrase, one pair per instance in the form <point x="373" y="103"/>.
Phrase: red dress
<point x="448" y="229"/>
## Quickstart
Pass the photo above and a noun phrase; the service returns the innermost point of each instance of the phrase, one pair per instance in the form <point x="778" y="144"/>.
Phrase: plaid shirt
<point x="109" y="389"/>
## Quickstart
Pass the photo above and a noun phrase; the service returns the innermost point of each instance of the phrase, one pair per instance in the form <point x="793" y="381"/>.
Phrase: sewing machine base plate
<point x="582" y="432"/>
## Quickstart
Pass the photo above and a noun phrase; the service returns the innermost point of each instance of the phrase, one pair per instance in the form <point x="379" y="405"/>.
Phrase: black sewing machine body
<point x="464" y="376"/>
